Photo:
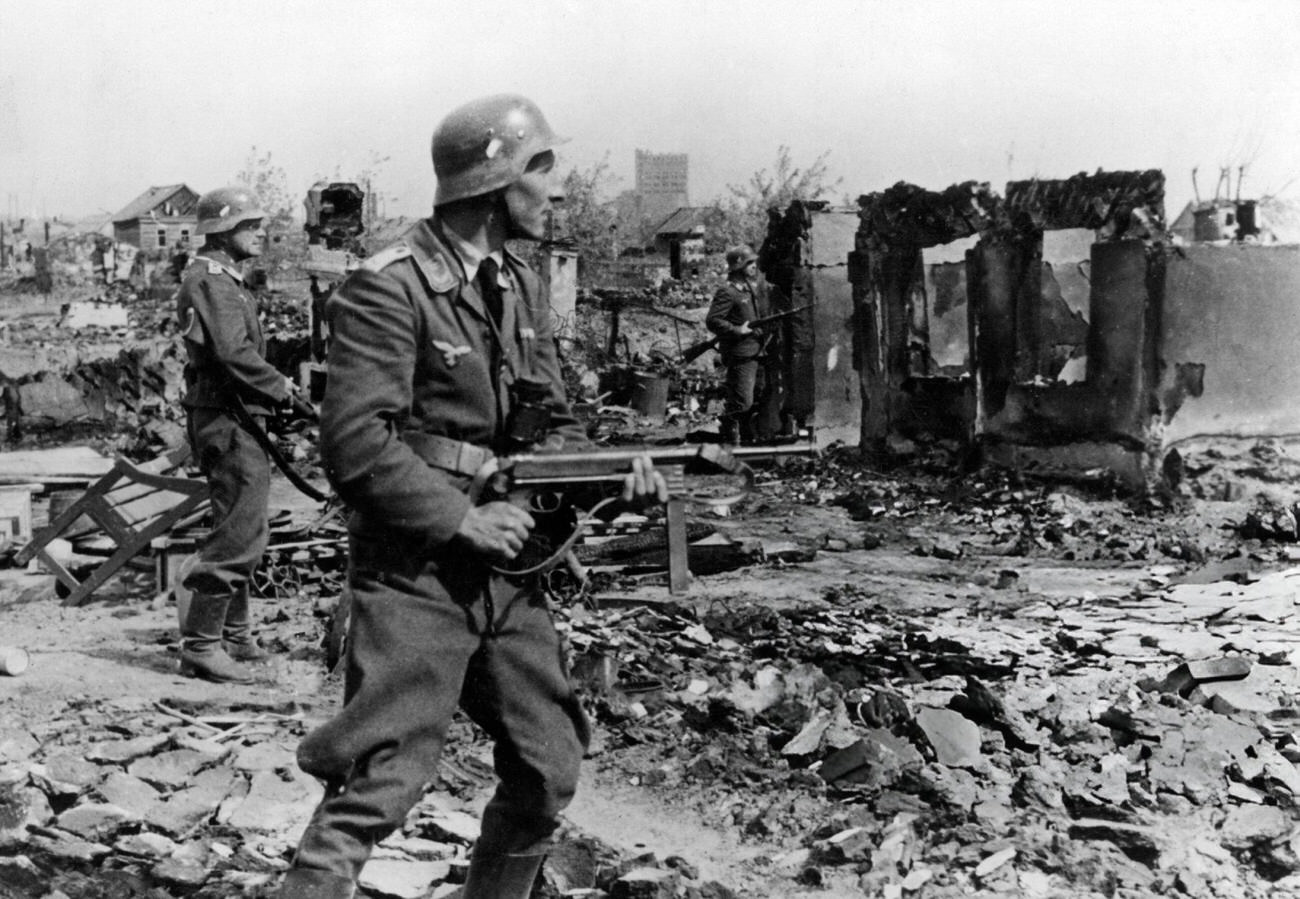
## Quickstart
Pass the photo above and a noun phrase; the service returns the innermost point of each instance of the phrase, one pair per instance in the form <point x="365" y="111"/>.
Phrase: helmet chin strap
<point x="221" y="240"/>
<point x="502" y="208"/>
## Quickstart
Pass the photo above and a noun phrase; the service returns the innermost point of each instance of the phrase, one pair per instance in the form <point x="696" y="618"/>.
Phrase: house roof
<point x="147" y="201"/>
<point x="1278" y="219"/>
<point x="1187" y="218"/>
<point x="685" y="220"/>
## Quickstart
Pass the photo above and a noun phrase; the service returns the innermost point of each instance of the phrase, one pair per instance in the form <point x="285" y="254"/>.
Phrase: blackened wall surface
<point x="1235" y="310"/>
<point x="837" y="392"/>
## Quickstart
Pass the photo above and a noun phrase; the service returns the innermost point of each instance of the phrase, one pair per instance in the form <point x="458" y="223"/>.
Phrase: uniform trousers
<point x="420" y="645"/>
<point x="239" y="483"/>
<point x="752" y="394"/>
<point x="742" y="380"/>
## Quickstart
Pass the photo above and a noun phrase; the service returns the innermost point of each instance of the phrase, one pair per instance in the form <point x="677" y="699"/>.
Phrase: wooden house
<point x="161" y="218"/>
<point x="680" y="237"/>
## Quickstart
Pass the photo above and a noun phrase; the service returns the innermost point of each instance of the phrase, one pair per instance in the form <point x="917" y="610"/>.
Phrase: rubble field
<point x="928" y="680"/>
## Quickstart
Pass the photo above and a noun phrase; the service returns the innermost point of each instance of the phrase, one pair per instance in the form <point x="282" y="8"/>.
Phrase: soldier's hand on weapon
<point x="496" y="529"/>
<point x="297" y="403"/>
<point x="302" y="408"/>
<point x="743" y="328"/>
<point x="644" y="486"/>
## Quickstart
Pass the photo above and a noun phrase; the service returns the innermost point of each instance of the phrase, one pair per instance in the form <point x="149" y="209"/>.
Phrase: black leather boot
<point x="746" y="430"/>
<point x="237" y="634"/>
<point x="500" y="876"/>
<point x="201" y="652"/>
<point x="309" y="883"/>
<point x="730" y="431"/>
<point x="789" y="430"/>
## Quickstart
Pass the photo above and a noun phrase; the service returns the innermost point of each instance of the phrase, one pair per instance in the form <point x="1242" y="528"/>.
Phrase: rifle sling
<point x="249" y="423"/>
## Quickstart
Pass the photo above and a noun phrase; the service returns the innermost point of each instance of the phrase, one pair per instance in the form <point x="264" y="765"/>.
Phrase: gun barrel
<point x="611" y="465"/>
<point x="759" y="453"/>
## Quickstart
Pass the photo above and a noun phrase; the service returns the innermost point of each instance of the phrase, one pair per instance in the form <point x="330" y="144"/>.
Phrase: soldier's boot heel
<point x="201" y="652"/>
<point x="493" y="876"/>
<point x="308" y="883"/>
<point x="237" y="635"/>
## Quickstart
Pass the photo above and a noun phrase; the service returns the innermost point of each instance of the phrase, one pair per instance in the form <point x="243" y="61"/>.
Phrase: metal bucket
<point x="650" y="395"/>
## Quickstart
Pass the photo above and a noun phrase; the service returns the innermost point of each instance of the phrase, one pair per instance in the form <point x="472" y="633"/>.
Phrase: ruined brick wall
<point x="902" y="390"/>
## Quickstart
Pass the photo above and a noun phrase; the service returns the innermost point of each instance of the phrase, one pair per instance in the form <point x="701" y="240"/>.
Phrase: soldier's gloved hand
<point x="644" y="486"/>
<point x="496" y="529"/>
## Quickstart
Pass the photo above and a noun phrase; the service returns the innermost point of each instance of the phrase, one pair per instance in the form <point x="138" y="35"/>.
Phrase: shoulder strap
<point x="386" y="257"/>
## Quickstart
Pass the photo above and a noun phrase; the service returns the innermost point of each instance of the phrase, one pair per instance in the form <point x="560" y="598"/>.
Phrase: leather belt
<point x="455" y="456"/>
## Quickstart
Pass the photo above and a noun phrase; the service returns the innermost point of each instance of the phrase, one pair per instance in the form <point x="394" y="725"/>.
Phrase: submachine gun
<point x="552" y="486"/>
<point x="696" y="350"/>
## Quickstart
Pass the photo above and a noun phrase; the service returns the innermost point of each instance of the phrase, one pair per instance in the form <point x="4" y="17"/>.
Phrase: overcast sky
<point x="99" y="101"/>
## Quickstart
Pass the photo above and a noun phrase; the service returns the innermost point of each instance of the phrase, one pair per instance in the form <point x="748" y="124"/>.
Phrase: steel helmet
<point x="225" y="208"/>
<point x="486" y="144"/>
<point x="739" y="257"/>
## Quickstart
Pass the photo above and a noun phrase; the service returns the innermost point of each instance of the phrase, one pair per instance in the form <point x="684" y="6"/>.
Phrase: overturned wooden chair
<point x="132" y="505"/>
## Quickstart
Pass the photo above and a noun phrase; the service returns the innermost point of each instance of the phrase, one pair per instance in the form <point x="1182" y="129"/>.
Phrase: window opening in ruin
<point x="1066" y="291"/>
<point x="946" y="306"/>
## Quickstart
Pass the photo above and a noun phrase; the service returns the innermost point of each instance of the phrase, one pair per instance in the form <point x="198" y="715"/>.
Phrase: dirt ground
<point x="928" y="682"/>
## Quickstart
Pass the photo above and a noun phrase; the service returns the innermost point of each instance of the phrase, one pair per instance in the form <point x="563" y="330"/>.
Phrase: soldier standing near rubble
<point x="434" y="341"/>
<point x="752" y="363"/>
<point x="12" y="400"/>
<point x="227" y="364"/>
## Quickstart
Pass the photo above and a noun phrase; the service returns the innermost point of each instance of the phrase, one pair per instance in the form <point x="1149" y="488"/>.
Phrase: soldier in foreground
<point x="226" y="350"/>
<point x="442" y="355"/>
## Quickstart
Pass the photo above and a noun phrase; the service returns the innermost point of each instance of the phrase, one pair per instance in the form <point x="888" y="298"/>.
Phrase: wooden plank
<point x="138" y="543"/>
<point x="146" y="507"/>
<point x="129" y="491"/>
<point x="58" y="462"/>
<point x="106" y="516"/>
<point x="679" y="572"/>
<point x="56" y="527"/>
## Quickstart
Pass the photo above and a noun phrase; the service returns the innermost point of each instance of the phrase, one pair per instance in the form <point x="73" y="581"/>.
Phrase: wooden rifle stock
<point x="696" y="350"/>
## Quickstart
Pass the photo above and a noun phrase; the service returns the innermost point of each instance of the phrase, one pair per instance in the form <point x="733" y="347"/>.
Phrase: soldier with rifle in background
<point x="230" y="388"/>
<point x="752" y="355"/>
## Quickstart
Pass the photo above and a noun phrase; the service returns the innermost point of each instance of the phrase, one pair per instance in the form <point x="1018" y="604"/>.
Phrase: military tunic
<point x="752" y="360"/>
<point x="226" y="350"/>
<point x="418" y="365"/>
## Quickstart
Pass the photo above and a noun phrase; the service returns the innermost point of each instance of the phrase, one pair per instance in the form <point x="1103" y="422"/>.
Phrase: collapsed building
<point x="1058" y="327"/>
